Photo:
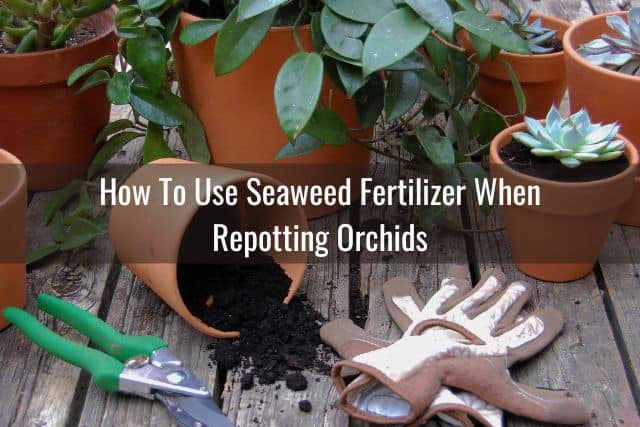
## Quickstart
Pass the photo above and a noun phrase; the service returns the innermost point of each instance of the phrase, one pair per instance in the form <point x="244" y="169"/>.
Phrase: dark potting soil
<point x="296" y="381"/>
<point x="83" y="34"/>
<point x="554" y="43"/>
<point x="286" y="15"/>
<point x="275" y="338"/>
<point x="305" y="406"/>
<point x="519" y="157"/>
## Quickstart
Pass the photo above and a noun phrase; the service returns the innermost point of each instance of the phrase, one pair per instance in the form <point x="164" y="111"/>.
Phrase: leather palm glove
<point x="462" y="338"/>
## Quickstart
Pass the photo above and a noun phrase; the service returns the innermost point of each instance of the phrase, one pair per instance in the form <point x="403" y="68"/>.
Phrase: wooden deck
<point x="597" y="357"/>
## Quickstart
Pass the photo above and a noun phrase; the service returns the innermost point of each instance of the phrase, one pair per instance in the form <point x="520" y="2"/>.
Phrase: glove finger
<point x="402" y="301"/>
<point x="532" y="335"/>
<point x="349" y="340"/>
<point x="491" y="283"/>
<point x="489" y="379"/>
<point x="503" y="309"/>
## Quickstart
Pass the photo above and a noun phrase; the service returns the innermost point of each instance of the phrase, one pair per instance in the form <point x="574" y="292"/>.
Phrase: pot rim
<point x="572" y="52"/>
<point x="192" y="18"/>
<point x="62" y="50"/>
<point x="630" y="152"/>
<point x="8" y="158"/>
<point x="558" y="21"/>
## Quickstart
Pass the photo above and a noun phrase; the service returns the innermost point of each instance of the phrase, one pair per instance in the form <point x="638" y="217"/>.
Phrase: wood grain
<point x="584" y="358"/>
<point x="603" y="6"/>
<point x="326" y="285"/>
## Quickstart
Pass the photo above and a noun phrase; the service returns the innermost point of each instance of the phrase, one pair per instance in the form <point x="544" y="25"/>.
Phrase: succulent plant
<point x="619" y="54"/>
<point x="30" y="25"/>
<point x="572" y="141"/>
<point x="539" y="37"/>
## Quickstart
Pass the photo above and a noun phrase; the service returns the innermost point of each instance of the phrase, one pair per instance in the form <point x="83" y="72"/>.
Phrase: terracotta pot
<point x="560" y="240"/>
<point x="607" y="95"/>
<point x="542" y="76"/>
<point x="44" y="123"/>
<point x="166" y="235"/>
<point x="13" y="217"/>
<point x="239" y="115"/>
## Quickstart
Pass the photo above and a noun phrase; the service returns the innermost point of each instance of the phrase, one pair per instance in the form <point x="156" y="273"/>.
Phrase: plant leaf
<point x="472" y="171"/>
<point x="517" y="88"/>
<point x="238" y="40"/>
<point x="431" y="216"/>
<point x="493" y="31"/>
<point x="326" y="126"/>
<point x="402" y="92"/>
<point x="119" y="89"/>
<point x="342" y="35"/>
<point x="394" y="37"/>
<point x="436" y="13"/>
<point x="199" y="31"/>
<point x="113" y="127"/>
<point x="304" y="144"/>
<point x="60" y="199"/>
<point x="160" y="107"/>
<point x="83" y="208"/>
<point x="351" y="78"/>
<point x="81" y="232"/>
<point x="155" y="146"/>
<point x="86" y="69"/>
<point x="438" y="52"/>
<point x="370" y="101"/>
<point x="361" y="10"/>
<point x="147" y="55"/>
<point x="297" y="91"/>
<point x="434" y="85"/>
<point x="56" y="228"/>
<point x="150" y="4"/>
<point x="38" y="254"/>
<point x="110" y="149"/>
<point x="457" y="131"/>
<point x="193" y="135"/>
<point x="95" y="79"/>
<point x="250" y="8"/>
<point x="437" y="148"/>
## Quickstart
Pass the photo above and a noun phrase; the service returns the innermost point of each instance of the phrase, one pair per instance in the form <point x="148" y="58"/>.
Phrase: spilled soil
<point x="276" y="339"/>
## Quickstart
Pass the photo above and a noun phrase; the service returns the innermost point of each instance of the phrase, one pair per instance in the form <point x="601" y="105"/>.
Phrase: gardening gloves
<point x="465" y="338"/>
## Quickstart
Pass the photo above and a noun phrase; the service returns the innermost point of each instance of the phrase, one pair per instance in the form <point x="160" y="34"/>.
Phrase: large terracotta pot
<point x="607" y="95"/>
<point x="43" y="122"/>
<point x="13" y="217"/>
<point x="560" y="240"/>
<point x="542" y="76"/>
<point x="239" y="115"/>
<point x="152" y="239"/>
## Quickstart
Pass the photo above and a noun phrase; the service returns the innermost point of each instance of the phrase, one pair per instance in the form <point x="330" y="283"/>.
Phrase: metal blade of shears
<point x="190" y="411"/>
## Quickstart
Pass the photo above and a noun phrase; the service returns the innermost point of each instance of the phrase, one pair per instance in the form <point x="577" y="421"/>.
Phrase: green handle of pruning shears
<point x="118" y="345"/>
<point x="104" y="369"/>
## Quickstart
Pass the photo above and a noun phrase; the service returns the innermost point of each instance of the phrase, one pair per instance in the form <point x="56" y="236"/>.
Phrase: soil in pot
<point x="275" y="338"/>
<point x="83" y="34"/>
<point x="519" y="158"/>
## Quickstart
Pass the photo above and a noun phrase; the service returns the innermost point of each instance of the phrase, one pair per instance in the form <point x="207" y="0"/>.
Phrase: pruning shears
<point x="139" y="365"/>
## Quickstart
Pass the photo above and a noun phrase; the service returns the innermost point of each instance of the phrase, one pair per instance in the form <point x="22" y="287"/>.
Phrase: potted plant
<point x="13" y="216"/>
<point x="603" y="61"/>
<point x="540" y="71"/>
<point x="583" y="179"/>
<point x="49" y="126"/>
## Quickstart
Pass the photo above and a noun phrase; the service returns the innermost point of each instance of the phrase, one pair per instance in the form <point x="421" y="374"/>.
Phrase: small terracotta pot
<point x="166" y="234"/>
<point x="560" y="240"/>
<point x="44" y="123"/>
<point x="542" y="76"/>
<point x="607" y="95"/>
<point x="239" y="115"/>
<point x="13" y="217"/>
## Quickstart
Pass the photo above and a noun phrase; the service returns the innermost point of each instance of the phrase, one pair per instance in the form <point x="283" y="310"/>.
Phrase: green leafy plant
<point x="619" y="54"/>
<point x="540" y="39"/>
<point x="35" y="25"/>
<point x="373" y="51"/>
<point x="573" y="140"/>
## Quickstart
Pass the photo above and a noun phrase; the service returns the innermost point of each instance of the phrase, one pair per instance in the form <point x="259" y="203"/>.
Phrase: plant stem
<point x="296" y="26"/>
<point x="45" y="34"/>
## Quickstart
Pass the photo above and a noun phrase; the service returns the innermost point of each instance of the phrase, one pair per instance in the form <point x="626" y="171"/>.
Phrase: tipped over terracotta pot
<point x="560" y="240"/>
<point x="44" y="122"/>
<point x="542" y="76"/>
<point x="239" y="116"/>
<point x="152" y="239"/>
<point x="609" y="96"/>
<point x="13" y="217"/>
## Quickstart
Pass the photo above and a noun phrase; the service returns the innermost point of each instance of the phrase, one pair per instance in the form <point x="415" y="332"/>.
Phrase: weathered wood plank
<point x="567" y="9"/>
<point x="326" y="285"/>
<point x="603" y="6"/>
<point x="38" y="389"/>
<point x="620" y="266"/>
<point x="136" y="310"/>
<point x="584" y="359"/>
